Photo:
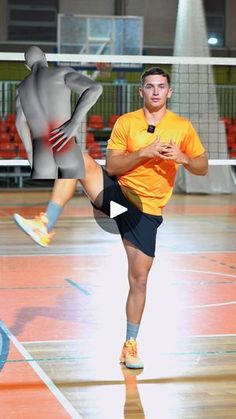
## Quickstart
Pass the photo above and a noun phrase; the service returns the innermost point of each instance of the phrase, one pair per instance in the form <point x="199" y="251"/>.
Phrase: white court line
<point x="44" y="377"/>
<point x="205" y="272"/>
<point x="84" y="268"/>
<point x="194" y="252"/>
<point x="197" y="252"/>
<point x="53" y="254"/>
<point x="211" y="336"/>
<point x="211" y="273"/>
<point x="52" y="341"/>
<point x="229" y="303"/>
<point x="77" y="340"/>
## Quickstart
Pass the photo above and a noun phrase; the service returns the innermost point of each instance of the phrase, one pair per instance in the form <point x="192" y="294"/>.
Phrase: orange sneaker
<point x="129" y="355"/>
<point x="36" y="228"/>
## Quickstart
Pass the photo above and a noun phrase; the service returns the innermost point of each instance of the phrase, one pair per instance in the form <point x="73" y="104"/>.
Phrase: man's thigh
<point x="93" y="181"/>
<point x="139" y="263"/>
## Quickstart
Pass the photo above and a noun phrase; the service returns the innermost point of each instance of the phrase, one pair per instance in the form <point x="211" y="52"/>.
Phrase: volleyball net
<point x="204" y="91"/>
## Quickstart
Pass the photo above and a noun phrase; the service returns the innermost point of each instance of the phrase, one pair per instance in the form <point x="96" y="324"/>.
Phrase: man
<point x="144" y="151"/>
<point x="43" y="116"/>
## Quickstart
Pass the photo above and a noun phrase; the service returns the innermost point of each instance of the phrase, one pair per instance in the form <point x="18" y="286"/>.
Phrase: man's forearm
<point x="121" y="164"/>
<point x="86" y="101"/>
<point x="197" y="166"/>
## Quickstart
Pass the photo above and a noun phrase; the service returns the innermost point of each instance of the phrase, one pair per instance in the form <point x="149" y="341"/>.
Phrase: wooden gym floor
<point x="63" y="316"/>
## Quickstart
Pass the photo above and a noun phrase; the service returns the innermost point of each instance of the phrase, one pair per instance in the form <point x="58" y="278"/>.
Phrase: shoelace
<point x="41" y="218"/>
<point x="42" y="221"/>
<point x="132" y="350"/>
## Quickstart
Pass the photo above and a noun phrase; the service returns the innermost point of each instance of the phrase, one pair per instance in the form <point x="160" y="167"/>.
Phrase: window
<point x="215" y="19"/>
<point x="32" y="21"/>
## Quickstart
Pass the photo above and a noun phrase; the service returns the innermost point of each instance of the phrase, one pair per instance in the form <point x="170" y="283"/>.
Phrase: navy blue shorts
<point x="134" y="225"/>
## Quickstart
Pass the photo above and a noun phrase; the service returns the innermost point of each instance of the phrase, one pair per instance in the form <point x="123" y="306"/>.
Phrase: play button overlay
<point x="117" y="210"/>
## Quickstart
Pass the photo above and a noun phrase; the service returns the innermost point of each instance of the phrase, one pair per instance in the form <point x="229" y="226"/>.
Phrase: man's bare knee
<point x="138" y="282"/>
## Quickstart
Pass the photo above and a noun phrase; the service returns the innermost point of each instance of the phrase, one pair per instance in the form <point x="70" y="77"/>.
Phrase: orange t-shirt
<point x="152" y="181"/>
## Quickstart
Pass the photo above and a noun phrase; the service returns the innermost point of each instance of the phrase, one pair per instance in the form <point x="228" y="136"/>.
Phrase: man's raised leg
<point x="40" y="229"/>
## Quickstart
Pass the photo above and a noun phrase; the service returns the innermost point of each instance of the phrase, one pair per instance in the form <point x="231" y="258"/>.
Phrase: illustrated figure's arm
<point x="23" y="129"/>
<point x="89" y="92"/>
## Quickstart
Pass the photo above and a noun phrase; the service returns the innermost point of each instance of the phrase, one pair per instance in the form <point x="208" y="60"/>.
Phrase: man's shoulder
<point x="23" y="83"/>
<point x="61" y="70"/>
<point x="131" y="116"/>
<point x="176" y="118"/>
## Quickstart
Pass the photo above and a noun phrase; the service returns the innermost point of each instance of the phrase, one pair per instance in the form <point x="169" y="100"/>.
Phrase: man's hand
<point x="197" y="165"/>
<point x="171" y="151"/>
<point x="155" y="149"/>
<point x="61" y="135"/>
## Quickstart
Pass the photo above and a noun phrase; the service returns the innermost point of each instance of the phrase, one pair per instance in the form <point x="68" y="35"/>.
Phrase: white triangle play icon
<point x="116" y="209"/>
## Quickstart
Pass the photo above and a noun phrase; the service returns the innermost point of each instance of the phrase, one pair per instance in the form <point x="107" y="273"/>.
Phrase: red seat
<point x="95" y="122"/>
<point x="12" y="128"/>
<point x="8" y="152"/>
<point x="231" y="139"/>
<point x="89" y="139"/>
<point x="4" y="137"/>
<point x="10" y="118"/>
<point x="95" y="151"/>
<point x="17" y="139"/>
<point x="4" y="127"/>
<point x="231" y="129"/>
<point x="21" y="151"/>
<point x="227" y="120"/>
<point x="112" y="120"/>
<point x="94" y="148"/>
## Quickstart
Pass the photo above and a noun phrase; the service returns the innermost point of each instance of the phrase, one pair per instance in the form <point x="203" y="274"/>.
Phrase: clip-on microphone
<point x="151" y="128"/>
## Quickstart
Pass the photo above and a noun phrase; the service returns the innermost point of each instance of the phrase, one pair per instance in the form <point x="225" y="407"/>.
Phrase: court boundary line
<point x="69" y="408"/>
<point x="187" y="252"/>
<point x="77" y="340"/>
<point x="228" y="303"/>
<point x="28" y="342"/>
<point x="212" y="336"/>
<point x="201" y="271"/>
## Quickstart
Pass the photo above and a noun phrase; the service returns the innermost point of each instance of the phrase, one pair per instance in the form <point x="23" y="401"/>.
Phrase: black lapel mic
<point x="151" y="128"/>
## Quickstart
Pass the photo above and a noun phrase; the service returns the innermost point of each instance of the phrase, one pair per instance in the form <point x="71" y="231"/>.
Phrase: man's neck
<point x="153" y="117"/>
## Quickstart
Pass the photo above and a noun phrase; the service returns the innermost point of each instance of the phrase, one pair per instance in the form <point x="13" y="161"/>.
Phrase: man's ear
<point x="141" y="92"/>
<point x="170" y="93"/>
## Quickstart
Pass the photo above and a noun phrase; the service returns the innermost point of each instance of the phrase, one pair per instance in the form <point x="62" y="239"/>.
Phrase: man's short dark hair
<point x="154" y="71"/>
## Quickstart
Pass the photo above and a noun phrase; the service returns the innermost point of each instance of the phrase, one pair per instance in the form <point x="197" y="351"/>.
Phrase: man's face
<point x="155" y="92"/>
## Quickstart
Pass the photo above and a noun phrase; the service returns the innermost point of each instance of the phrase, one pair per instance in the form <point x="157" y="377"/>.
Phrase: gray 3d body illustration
<point x="44" y="118"/>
